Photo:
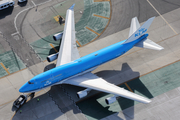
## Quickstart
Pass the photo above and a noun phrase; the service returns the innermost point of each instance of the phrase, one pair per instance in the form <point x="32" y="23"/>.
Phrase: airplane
<point x="75" y="70"/>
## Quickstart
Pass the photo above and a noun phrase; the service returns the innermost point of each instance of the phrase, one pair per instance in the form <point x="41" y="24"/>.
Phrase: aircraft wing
<point x="92" y="81"/>
<point x="68" y="50"/>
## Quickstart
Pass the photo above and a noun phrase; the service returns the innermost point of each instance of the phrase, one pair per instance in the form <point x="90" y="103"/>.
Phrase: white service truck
<point x="6" y="3"/>
<point x="20" y="1"/>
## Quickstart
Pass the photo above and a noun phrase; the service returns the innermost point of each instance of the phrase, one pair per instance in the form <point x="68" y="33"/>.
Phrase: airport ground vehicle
<point x="20" y="100"/>
<point x="6" y="3"/>
<point x="20" y="1"/>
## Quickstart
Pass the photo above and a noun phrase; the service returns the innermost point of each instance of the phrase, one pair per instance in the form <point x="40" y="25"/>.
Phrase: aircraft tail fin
<point x="136" y="32"/>
<point x="140" y="31"/>
<point x="134" y="26"/>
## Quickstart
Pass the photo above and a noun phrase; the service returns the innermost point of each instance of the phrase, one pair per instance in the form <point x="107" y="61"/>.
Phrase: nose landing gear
<point x="32" y="95"/>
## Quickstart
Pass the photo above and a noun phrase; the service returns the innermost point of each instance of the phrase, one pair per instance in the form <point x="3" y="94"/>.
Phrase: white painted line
<point x="161" y="16"/>
<point x="44" y="2"/>
<point x="17" y="16"/>
<point x="16" y="6"/>
<point x="14" y="33"/>
<point x="33" y="3"/>
<point x="23" y="11"/>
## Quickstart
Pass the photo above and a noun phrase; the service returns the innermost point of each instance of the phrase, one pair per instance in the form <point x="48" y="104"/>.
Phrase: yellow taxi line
<point x="128" y="87"/>
<point x="101" y="16"/>
<point x="53" y="47"/>
<point x="78" y="43"/>
<point x="57" y="18"/>
<point x="92" y="31"/>
<point x="5" y="68"/>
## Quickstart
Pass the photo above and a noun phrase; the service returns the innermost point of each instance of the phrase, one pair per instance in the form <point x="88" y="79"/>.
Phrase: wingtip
<point x="72" y="7"/>
<point x="147" y="102"/>
<point x="161" y="48"/>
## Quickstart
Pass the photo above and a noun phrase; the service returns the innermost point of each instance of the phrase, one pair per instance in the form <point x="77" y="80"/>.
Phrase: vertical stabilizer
<point x="134" y="26"/>
<point x="141" y="31"/>
<point x="136" y="32"/>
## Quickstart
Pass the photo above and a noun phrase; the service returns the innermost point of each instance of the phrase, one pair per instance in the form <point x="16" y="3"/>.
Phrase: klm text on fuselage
<point x="141" y="31"/>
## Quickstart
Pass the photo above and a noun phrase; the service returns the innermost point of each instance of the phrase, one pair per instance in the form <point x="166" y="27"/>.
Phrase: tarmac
<point x="153" y="74"/>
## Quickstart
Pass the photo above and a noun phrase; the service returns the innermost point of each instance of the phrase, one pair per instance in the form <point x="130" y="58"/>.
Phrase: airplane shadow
<point x="90" y="106"/>
<point x="50" y="66"/>
<point x="52" y="50"/>
<point x="126" y="105"/>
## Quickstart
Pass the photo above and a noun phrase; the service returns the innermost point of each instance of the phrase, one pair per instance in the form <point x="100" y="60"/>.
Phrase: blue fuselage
<point x="78" y="66"/>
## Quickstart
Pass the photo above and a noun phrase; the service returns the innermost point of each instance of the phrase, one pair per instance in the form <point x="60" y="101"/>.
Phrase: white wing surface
<point x="68" y="50"/>
<point x="92" y="81"/>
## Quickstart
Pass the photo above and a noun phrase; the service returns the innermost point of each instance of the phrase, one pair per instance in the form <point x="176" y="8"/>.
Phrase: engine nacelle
<point x="111" y="100"/>
<point x="83" y="93"/>
<point x="58" y="36"/>
<point x="52" y="57"/>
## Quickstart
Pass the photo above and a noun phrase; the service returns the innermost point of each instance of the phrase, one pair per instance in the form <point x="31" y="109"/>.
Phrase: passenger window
<point x="1" y="6"/>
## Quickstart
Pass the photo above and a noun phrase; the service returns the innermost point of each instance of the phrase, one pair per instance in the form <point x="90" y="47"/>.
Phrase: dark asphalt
<point x="124" y="10"/>
<point x="17" y="43"/>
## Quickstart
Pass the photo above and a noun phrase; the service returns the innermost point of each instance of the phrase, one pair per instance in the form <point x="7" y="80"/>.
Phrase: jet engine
<point x="83" y="93"/>
<point x="52" y="57"/>
<point x="58" y="36"/>
<point x="110" y="100"/>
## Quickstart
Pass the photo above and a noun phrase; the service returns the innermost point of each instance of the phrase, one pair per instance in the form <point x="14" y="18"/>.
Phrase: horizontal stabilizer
<point x="147" y="43"/>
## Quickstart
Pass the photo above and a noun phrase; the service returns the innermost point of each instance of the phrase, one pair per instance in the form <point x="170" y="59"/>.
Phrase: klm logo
<point x="141" y="31"/>
<point x="47" y="83"/>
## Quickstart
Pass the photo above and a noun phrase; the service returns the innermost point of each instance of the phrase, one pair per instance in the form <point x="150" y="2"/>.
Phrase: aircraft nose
<point x="23" y="88"/>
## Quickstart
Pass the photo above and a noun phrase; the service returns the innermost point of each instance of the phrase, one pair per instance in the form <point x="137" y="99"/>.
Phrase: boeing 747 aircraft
<point x="75" y="70"/>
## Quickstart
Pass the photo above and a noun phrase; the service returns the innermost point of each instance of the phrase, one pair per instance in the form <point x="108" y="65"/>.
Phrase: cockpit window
<point x="30" y="82"/>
